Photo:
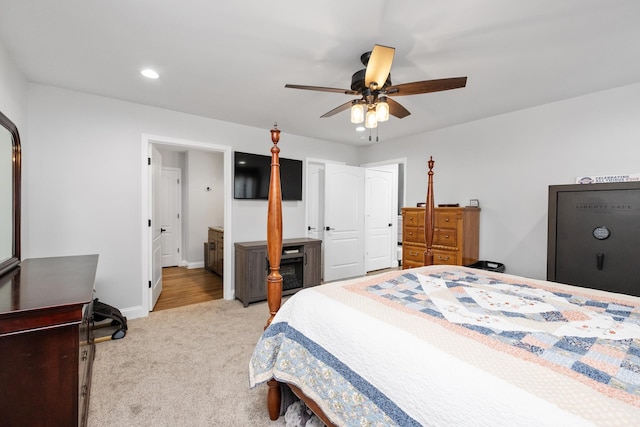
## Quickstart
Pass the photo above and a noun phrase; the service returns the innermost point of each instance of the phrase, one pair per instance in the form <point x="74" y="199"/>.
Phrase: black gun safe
<point x="594" y="236"/>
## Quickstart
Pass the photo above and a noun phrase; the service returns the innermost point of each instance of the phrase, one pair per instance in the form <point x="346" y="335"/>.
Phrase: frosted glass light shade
<point x="371" y="121"/>
<point x="357" y="113"/>
<point x="382" y="110"/>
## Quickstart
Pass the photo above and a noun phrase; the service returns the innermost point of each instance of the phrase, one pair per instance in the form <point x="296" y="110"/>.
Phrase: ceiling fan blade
<point x="379" y="65"/>
<point x="395" y="109"/>
<point x="338" y="109"/>
<point x="323" y="89"/>
<point x="427" y="86"/>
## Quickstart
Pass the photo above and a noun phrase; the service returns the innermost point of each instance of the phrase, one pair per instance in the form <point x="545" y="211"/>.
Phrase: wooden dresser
<point x="456" y="236"/>
<point x="46" y="341"/>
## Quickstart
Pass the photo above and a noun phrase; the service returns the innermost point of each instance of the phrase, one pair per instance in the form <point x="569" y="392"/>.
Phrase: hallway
<point x="182" y="286"/>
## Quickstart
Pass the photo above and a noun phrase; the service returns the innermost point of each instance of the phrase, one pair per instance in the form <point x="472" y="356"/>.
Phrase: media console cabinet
<point x="300" y="268"/>
<point x="46" y="341"/>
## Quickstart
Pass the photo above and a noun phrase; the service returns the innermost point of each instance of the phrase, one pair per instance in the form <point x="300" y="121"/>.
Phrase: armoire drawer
<point x="413" y="234"/>
<point x="441" y="257"/>
<point x="413" y="253"/>
<point x="445" y="237"/>
<point x="446" y="219"/>
<point x="413" y="218"/>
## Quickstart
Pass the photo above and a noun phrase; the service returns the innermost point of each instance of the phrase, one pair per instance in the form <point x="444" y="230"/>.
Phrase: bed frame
<point x="274" y="280"/>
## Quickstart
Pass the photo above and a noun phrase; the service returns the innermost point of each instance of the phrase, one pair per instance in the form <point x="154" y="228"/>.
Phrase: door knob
<point x="329" y="228"/>
<point x="162" y="230"/>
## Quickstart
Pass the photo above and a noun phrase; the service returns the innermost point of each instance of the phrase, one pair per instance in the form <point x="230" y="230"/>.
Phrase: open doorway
<point x="373" y="222"/>
<point x="203" y="173"/>
<point x="191" y="236"/>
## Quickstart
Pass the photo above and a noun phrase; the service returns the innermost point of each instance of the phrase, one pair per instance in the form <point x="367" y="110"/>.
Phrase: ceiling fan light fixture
<point x="371" y="122"/>
<point x="382" y="110"/>
<point x="357" y="112"/>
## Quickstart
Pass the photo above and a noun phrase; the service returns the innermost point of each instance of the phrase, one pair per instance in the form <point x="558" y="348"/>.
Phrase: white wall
<point x="206" y="208"/>
<point x="13" y="93"/>
<point x="83" y="166"/>
<point x="508" y="162"/>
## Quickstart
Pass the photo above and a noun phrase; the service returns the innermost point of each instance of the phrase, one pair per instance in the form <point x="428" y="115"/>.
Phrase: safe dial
<point x="601" y="233"/>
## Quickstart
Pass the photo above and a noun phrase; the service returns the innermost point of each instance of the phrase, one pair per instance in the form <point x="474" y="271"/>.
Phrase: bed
<point x="448" y="345"/>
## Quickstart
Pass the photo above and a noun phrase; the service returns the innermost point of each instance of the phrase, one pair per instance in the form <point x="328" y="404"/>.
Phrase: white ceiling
<point x="230" y="60"/>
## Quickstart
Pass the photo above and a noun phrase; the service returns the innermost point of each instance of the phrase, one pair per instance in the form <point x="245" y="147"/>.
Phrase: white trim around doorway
<point x="147" y="141"/>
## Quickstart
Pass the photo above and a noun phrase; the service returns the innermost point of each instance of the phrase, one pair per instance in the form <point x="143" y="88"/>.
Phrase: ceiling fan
<point x="373" y="86"/>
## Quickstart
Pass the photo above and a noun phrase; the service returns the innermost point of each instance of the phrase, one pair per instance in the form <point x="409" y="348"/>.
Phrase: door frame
<point x="146" y="142"/>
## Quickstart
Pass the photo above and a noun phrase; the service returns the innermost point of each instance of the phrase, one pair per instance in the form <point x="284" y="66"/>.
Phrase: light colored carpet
<point x="186" y="366"/>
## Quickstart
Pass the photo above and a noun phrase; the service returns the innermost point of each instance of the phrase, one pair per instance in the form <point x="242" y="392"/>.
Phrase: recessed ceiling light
<point x="150" y="74"/>
<point x="360" y="129"/>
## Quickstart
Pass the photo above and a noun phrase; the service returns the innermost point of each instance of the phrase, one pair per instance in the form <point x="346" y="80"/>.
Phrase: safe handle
<point x="600" y="260"/>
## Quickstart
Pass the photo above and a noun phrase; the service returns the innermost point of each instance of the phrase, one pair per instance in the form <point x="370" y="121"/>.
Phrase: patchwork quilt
<point x="446" y="345"/>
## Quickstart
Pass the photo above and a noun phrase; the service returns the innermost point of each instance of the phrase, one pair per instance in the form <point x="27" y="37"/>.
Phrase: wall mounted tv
<point x="251" y="173"/>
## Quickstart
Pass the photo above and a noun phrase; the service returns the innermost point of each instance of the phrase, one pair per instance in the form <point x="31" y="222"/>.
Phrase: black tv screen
<point x="251" y="173"/>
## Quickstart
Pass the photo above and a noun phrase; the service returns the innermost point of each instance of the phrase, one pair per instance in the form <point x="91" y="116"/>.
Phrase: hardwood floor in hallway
<point x="182" y="286"/>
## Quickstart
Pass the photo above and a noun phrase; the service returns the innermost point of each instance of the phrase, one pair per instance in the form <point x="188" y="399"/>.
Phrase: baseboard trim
<point x="199" y="264"/>
<point x="134" y="312"/>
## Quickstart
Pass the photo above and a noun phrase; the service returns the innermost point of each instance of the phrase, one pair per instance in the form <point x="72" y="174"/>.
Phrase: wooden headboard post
<point x="274" y="230"/>
<point x="429" y="216"/>
<point x="274" y="252"/>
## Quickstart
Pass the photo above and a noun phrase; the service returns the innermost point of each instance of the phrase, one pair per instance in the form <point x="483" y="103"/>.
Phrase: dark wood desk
<point x="46" y="342"/>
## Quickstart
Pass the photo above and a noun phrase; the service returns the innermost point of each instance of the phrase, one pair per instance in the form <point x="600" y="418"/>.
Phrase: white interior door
<point x="156" y="234"/>
<point x="170" y="214"/>
<point x="381" y="219"/>
<point x="344" y="222"/>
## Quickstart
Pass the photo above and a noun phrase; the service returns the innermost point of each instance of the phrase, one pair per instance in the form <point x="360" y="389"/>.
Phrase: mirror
<point x="10" y="160"/>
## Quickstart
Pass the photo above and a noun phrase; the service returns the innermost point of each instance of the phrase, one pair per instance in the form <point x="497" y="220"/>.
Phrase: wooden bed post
<point x="274" y="251"/>
<point x="428" y="217"/>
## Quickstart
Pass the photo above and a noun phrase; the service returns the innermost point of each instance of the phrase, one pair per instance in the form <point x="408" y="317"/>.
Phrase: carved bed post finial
<point x="274" y="252"/>
<point x="428" y="217"/>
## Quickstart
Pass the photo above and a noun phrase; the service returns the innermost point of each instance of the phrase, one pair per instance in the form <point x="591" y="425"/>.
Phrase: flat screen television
<point x="251" y="173"/>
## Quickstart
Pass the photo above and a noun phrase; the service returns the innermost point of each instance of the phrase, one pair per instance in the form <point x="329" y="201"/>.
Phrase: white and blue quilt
<point x="445" y="345"/>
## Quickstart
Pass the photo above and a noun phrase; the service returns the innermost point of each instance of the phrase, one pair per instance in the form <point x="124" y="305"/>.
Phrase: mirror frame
<point x="14" y="261"/>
